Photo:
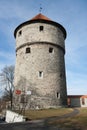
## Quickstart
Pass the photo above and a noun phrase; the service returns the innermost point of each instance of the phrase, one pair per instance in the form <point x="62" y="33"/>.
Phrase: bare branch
<point x="6" y="79"/>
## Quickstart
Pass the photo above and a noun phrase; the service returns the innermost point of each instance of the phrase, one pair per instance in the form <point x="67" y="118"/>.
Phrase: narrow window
<point x="50" y="50"/>
<point x="40" y="74"/>
<point x="20" y="33"/>
<point x="41" y="28"/>
<point x="58" y="95"/>
<point x="83" y="101"/>
<point x="28" y="50"/>
<point x="62" y="75"/>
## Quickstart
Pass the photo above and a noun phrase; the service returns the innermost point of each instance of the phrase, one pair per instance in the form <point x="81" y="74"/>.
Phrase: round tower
<point x="40" y="65"/>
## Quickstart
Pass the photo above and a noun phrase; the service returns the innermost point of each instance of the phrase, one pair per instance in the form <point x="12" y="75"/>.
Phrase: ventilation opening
<point x="28" y="50"/>
<point x="50" y="50"/>
<point x="58" y="95"/>
<point x="20" y="33"/>
<point x="40" y="75"/>
<point x="41" y="28"/>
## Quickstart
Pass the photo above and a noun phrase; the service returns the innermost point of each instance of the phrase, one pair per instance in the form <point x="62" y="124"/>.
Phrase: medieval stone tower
<point x="40" y="65"/>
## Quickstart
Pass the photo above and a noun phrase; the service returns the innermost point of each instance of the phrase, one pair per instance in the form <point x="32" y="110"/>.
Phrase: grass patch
<point x="78" y="122"/>
<point x="39" y="114"/>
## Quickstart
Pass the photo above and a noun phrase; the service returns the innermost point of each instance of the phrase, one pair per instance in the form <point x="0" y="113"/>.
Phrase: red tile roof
<point x="77" y="96"/>
<point x="41" y="16"/>
<point x="84" y="96"/>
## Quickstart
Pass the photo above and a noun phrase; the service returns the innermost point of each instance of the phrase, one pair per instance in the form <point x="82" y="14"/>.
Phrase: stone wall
<point x="41" y="71"/>
<point x="31" y="33"/>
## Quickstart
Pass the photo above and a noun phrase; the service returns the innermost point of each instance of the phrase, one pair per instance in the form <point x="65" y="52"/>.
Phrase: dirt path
<point x="50" y="119"/>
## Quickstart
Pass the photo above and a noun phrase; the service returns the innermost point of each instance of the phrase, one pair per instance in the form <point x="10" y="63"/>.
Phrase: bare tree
<point x="7" y="78"/>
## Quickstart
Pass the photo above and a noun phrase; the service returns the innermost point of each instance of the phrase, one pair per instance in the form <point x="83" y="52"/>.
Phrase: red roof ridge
<point x="41" y="16"/>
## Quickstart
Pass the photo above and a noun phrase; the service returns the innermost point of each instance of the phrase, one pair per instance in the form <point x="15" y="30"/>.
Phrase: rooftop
<point x="40" y="16"/>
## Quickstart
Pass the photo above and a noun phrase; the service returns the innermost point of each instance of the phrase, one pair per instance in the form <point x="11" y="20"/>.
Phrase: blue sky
<point x="72" y="14"/>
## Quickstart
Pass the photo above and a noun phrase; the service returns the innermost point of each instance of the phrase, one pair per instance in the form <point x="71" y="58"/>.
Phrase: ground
<point x="64" y="117"/>
<point x="52" y="119"/>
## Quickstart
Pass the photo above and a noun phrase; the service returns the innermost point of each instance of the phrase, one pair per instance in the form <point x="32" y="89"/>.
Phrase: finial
<point x="40" y="8"/>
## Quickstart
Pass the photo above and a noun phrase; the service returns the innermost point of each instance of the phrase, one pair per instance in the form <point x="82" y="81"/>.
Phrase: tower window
<point x="50" y="50"/>
<point x="58" y="95"/>
<point x="40" y="75"/>
<point x="41" y="28"/>
<point x="28" y="50"/>
<point x="20" y="33"/>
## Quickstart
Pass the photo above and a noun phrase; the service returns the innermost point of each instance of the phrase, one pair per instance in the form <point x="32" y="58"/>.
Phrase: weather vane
<point x="40" y="8"/>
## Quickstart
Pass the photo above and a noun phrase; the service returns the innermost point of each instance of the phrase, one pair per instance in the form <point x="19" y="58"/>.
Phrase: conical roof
<point x="41" y="16"/>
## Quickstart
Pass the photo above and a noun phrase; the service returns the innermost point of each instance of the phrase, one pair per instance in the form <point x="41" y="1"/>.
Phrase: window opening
<point x="20" y="33"/>
<point x="58" y="95"/>
<point x="40" y="74"/>
<point x="50" y="50"/>
<point x="28" y="50"/>
<point x="41" y="28"/>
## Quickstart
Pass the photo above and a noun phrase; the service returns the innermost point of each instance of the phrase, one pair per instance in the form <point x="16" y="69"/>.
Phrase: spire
<point x="40" y="10"/>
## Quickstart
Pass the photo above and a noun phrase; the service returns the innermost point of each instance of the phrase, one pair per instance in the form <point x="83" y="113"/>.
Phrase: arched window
<point x="28" y="50"/>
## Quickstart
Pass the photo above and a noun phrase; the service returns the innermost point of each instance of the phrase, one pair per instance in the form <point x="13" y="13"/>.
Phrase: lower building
<point x="77" y="100"/>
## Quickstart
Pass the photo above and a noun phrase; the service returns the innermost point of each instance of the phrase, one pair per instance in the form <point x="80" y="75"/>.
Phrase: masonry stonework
<point x="40" y="64"/>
